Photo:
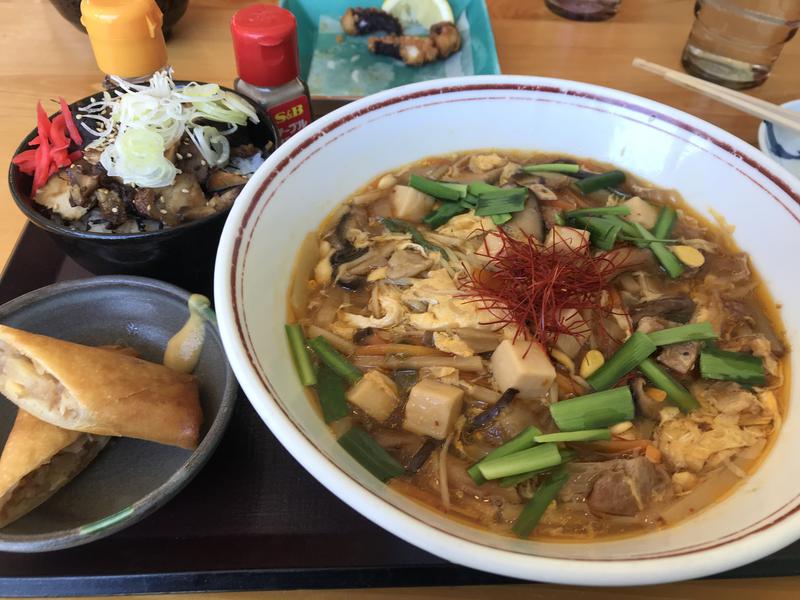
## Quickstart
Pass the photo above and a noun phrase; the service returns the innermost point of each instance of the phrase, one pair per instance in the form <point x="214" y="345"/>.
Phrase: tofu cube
<point x="642" y="212"/>
<point x="375" y="394"/>
<point x="523" y="366"/>
<point x="571" y="344"/>
<point x="567" y="239"/>
<point x="410" y="204"/>
<point x="432" y="408"/>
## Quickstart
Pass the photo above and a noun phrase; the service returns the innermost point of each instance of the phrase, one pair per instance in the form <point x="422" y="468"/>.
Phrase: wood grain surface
<point x="42" y="56"/>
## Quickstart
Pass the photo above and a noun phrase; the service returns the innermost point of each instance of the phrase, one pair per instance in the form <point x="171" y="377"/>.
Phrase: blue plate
<point x="781" y="143"/>
<point x="337" y="66"/>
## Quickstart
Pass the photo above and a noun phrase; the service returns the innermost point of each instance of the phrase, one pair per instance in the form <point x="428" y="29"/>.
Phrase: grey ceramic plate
<point x="130" y="478"/>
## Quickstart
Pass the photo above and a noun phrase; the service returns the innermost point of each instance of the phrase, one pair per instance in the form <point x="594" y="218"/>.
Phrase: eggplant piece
<point x="484" y="418"/>
<point x="678" y="309"/>
<point x="111" y="206"/>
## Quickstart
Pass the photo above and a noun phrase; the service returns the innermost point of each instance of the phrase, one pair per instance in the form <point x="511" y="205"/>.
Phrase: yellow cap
<point x="126" y="36"/>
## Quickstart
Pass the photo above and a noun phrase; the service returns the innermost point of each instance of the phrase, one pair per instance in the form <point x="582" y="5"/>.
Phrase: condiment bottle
<point x="267" y="61"/>
<point x="126" y="37"/>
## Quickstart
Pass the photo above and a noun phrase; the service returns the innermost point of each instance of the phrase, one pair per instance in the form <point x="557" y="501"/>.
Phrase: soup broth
<point x="543" y="346"/>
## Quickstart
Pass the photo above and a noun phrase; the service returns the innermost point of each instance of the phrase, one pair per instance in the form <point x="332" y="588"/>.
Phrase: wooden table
<point x="42" y="56"/>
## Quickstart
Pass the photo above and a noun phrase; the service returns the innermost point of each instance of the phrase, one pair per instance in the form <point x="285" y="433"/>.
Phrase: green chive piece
<point x="732" y="366"/>
<point x="500" y="206"/>
<point x="676" y="393"/>
<point x="558" y="219"/>
<point x="641" y="243"/>
<point x="626" y="226"/>
<point x="665" y="222"/>
<point x="593" y="411"/>
<point x="598" y="212"/>
<point x="566" y="168"/>
<point x="504" y="194"/>
<point x="603" y="232"/>
<point x="683" y="333"/>
<point x="360" y="445"/>
<point x="476" y="188"/>
<point x="521" y="441"/>
<point x="461" y="188"/>
<point x="436" y="188"/>
<point x="502" y="219"/>
<point x="601" y="180"/>
<point x="584" y="435"/>
<point x="567" y="455"/>
<point x="470" y="200"/>
<point x="332" y="399"/>
<point x="444" y="213"/>
<point x="534" y="509"/>
<point x="331" y="357"/>
<point x="400" y="226"/>
<point x="668" y="260"/>
<point x="637" y="347"/>
<point x="532" y="459"/>
<point x="302" y="359"/>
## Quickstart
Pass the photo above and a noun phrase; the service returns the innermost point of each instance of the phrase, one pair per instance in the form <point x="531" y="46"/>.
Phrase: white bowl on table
<point x="319" y="167"/>
<point x="784" y="148"/>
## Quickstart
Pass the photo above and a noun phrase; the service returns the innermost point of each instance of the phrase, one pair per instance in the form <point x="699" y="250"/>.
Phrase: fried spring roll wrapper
<point x="37" y="461"/>
<point x="97" y="390"/>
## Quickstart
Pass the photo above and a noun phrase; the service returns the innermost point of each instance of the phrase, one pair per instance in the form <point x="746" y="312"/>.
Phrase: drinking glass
<point x="736" y="42"/>
<point x="584" y="10"/>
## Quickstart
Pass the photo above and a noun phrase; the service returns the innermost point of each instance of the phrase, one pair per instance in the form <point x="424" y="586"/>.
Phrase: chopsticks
<point x="752" y="106"/>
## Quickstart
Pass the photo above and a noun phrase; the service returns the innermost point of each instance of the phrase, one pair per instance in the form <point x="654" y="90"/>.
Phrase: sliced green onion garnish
<point x="330" y="392"/>
<point x="500" y="206"/>
<point x="626" y="226"/>
<point x="683" y="333"/>
<point x="676" y="393"/>
<point x="593" y="411"/>
<point x="512" y="480"/>
<point x="566" y="168"/>
<point x="444" y="213"/>
<point x="584" y="435"/>
<point x="502" y="218"/>
<point x="302" y="359"/>
<point x="534" y="509"/>
<point x="640" y="242"/>
<point x="435" y="188"/>
<point x="732" y="366"/>
<point x="461" y="188"/>
<point x="598" y="212"/>
<point x="532" y="459"/>
<point x="668" y="260"/>
<point x="503" y="194"/>
<point x="476" y="188"/>
<point x="521" y="441"/>
<point x="399" y="226"/>
<point x="637" y="347"/>
<point x="603" y="232"/>
<point x="666" y="219"/>
<point x="601" y="180"/>
<point x="469" y="200"/>
<point x="360" y="445"/>
<point x="331" y="357"/>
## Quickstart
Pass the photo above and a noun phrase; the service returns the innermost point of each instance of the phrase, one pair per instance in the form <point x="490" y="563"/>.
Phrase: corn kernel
<point x="691" y="257"/>
<point x="656" y="394"/>
<point x="593" y="360"/>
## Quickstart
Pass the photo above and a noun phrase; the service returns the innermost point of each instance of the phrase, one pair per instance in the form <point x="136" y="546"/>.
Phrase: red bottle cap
<point x="265" y="44"/>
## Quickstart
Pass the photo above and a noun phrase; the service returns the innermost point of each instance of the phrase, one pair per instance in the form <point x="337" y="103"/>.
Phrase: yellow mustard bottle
<point x="126" y="37"/>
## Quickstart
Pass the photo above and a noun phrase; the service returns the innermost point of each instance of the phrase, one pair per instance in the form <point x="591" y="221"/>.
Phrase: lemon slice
<point x="424" y="12"/>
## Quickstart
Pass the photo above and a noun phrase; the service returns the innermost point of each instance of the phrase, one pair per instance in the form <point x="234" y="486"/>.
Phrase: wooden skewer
<point x="753" y="106"/>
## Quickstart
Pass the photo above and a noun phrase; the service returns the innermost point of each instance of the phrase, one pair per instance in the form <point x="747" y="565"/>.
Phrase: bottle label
<point x="290" y="116"/>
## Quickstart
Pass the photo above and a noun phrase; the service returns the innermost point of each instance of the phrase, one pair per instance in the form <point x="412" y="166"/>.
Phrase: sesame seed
<point x="115" y="210"/>
<point x="162" y="211"/>
<point x="189" y="155"/>
<point x="179" y="155"/>
<point x="203" y="163"/>
<point x="149" y="206"/>
<point x="185" y="190"/>
<point x="79" y="117"/>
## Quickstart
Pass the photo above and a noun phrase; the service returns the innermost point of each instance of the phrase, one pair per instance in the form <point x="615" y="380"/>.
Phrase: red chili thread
<point x="529" y="285"/>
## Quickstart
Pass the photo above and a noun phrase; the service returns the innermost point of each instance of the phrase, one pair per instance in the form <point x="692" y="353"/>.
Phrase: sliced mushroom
<point x="680" y="357"/>
<point x="84" y="179"/>
<point x="677" y="308"/>
<point x="220" y="180"/>
<point x="407" y="263"/>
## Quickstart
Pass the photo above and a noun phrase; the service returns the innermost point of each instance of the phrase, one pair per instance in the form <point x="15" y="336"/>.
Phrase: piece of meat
<point x="680" y="357"/>
<point x="173" y="201"/>
<point x="55" y="195"/>
<point x="446" y="38"/>
<point x="678" y="309"/>
<point x="220" y="180"/>
<point x="360" y="21"/>
<point x="733" y="268"/>
<point x="616" y="487"/>
<point x="412" y="50"/>
<point x="743" y="319"/>
<point x="111" y="206"/>
<point x="406" y="263"/>
<point x="244" y="151"/>
<point x="84" y="179"/>
<point x="190" y="160"/>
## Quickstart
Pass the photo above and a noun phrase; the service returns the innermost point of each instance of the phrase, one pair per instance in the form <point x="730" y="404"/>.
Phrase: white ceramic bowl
<point x="307" y="177"/>
<point x="785" y="148"/>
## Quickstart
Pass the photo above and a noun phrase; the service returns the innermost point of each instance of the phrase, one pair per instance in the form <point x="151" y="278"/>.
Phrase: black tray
<point x="252" y="519"/>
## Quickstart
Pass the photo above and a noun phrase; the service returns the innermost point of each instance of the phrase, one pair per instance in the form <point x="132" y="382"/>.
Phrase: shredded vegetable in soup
<point x="540" y="345"/>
